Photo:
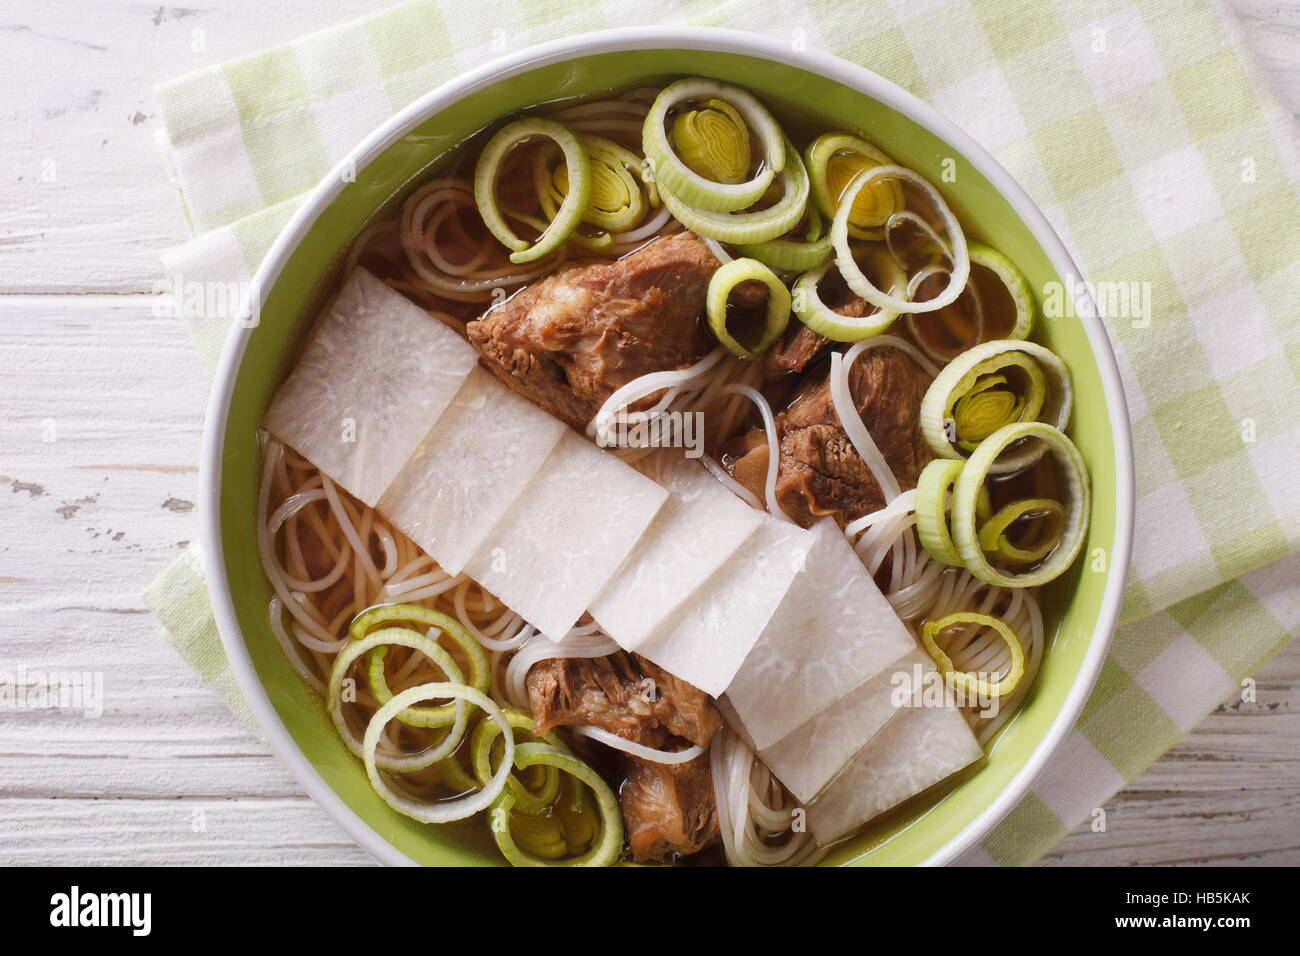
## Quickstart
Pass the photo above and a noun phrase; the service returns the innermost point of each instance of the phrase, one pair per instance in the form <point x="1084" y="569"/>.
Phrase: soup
<point x="669" y="482"/>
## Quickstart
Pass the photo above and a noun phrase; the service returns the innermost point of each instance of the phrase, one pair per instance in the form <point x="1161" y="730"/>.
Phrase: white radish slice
<point x="832" y="631"/>
<point x="810" y="755"/>
<point x="565" y="535"/>
<point x="469" y="469"/>
<point x="705" y="642"/>
<point x="376" y="373"/>
<point x="699" y="527"/>
<point x="916" y="750"/>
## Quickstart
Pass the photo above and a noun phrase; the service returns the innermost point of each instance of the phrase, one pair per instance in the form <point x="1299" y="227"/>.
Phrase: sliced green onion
<point x="713" y="141"/>
<point x="453" y="776"/>
<point x="571" y="210"/>
<point x="480" y="672"/>
<point x="970" y="484"/>
<point x="606" y="847"/>
<point x="759" y="225"/>
<point x="618" y="201"/>
<point x="1017" y="286"/>
<point x="712" y="147"/>
<point x="854" y="276"/>
<point x="834" y="159"/>
<point x="527" y="800"/>
<point x="825" y="321"/>
<point x="975" y="379"/>
<point x="401" y="637"/>
<point x="986" y="407"/>
<point x="973" y="685"/>
<point x="727" y="278"/>
<point x="539" y="835"/>
<point x="993" y="532"/>
<point x="793" y="255"/>
<point x="932" y="491"/>
<point x="449" y="810"/>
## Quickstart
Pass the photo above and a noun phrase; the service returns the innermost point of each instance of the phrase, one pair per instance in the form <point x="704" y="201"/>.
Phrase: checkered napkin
<point x="1145" y="131"/>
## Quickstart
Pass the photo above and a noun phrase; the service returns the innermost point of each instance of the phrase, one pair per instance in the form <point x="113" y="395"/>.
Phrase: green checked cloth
<point x="1146" y="132"/>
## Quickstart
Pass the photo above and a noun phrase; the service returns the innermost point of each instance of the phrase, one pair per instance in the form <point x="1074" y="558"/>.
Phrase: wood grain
<point x="102" y="402"/>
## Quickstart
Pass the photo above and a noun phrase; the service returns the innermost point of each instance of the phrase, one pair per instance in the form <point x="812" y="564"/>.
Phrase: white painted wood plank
<point x="77" y="124"/>
<point x="259" y="832"/>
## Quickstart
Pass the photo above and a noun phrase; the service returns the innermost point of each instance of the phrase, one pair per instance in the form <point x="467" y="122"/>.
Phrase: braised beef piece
<point x="801" y="345"/>
<point x="624" y="694"/>
<point x="820" y="473"/>
<point x="568" y="341"/>
<point x="669" y="810"/>
<point x="794" y="352"/>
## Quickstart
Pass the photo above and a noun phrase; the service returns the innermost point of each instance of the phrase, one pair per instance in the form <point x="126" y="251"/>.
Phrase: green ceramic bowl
<point x="303" y="263"/>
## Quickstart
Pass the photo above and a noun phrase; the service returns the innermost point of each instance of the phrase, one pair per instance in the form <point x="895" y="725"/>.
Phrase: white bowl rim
<point x="710" y="39"/>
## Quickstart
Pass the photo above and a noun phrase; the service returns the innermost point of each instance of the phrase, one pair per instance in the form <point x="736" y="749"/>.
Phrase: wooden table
<point x="102" y="405"/>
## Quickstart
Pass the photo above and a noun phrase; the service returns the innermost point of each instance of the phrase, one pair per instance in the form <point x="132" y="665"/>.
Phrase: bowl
<point x="303" y="262"/>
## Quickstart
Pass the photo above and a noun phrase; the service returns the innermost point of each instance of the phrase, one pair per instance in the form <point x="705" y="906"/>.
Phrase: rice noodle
<point x="749" y="823"/>
<point x="467" y="281"/>
<point x="670" y="757"/>
<point x="773" y="446"/>
<point x="539" y="647"/>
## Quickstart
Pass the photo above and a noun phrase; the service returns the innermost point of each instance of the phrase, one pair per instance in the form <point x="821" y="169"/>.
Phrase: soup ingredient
<point x="933" y="489"/>
<point x="566" y="534"/>
<point x="714" y="140"/>
<point x="811" y="754"/>
<point x="853" y="274"/>
<point x="577" y="167"/>
<point x="604" y="849"/>
<point x="429" y="647"/>
<point x="834" y="159"/>
<point x="995" y="539"/>
<point x="801" y="345"/>
<point x="469" y="469"/>
<point x="837" y="324"/>
<point x="448" y="810"/>
<point x="991" y="385"/>
<point x="669" y="810"/>
<point x="987" y="262"/>
<point x="448" y="627"/>
<point x="617" y="202"/>
<point x="525" y="799"/>
<point x="975" y="685"/>
<point x="699" y="528"/>
<point x="788" y="254"/>
<point x="776" y="310"/>
<point x="567" y="342"/>
<point x="707" y="639"/>
<point x="832" y="630"/>
<point x="970" y="486"/>
<point x="375" y="375"/>
<point x="622" y="693"/>
<point x="920" y="747"/>
<point x="754" y="225"/>
<point x="821" y="474"/>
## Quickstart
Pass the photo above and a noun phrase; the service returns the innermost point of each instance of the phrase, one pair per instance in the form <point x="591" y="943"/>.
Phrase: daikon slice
<point x="469" y="469"/>
<point x="832" y="630"/>
<point x="376" y="373"/>
<point x="563" y="538"/>
<point x="918" y="748"/>
<point x="699" y="527"/>
<point x="815" y="751"/>
<point x="706" y="640"/>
